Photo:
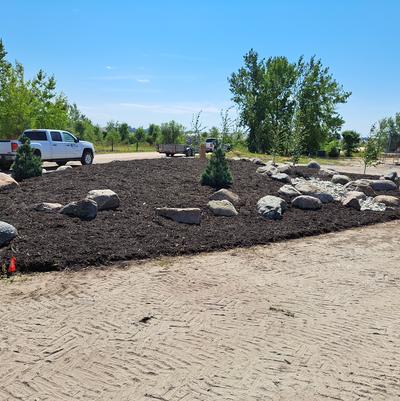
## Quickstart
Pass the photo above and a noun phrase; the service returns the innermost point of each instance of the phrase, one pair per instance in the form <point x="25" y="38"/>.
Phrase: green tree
<point x="350" y="141"/>
<point x="172" y="132"/>
<point x="317" y="99"/>
<point x="246" y="87"/>
<point x="139" y="136"/>
<point x="26" y="165"/>
<point x="153" y="134"/>
<point x="276" y="98"/>
<point x="217" y="173"/>
<point x="372" y="148"/>
<point x="112" y="135"/>
<point x="123" y="130"/>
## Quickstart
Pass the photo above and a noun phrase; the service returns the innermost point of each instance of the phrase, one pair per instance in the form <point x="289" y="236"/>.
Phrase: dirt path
<point x="309" y="319"/>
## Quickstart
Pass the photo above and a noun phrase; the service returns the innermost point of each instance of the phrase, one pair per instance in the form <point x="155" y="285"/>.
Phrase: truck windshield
<point x="36" y="135"/>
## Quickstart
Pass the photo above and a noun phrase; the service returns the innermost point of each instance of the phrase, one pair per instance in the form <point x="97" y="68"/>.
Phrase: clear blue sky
<point x="152" y="61"/>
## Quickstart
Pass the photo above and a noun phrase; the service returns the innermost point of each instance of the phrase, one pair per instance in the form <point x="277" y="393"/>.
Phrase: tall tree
<point x="276" y="98"/>
<point x="153" y="134"/>
<point x="172" y="132"/>
<point x="247" y="88"/>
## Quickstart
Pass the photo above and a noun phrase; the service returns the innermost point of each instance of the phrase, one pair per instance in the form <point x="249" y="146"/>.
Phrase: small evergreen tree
<point x="26" y="165"/>
<point x="351" y="139"/>
<point x="217" y="173"/>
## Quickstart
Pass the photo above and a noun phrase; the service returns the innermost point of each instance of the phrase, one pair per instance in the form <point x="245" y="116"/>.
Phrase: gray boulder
<point x="340" y="179"/>
<point x="387" y="200"/>
<point x="313" y="164"/>
<point x="6" y="181"/>
<point x="284" y="168"/>
<point x="357" y="194"/>
<point x="307" y="202"/>
<point x="64" y="168"/>
<point x="351" y="201"/>
<point x="306" y="188"/>
<point x="281" y="177"/>
<point x="271" y="207"/>
<point x="48" y="207"/>
<point x="362" y="185"/>
<point x="105" y="199"/>
<point x="383" y="185"/>
<point x="85" y="209"/>
<point x="312" y="190"/>
<point x="7" y="233"/>
<point x="225" y="194"/>
<point x="328" y="172"/>
<point x="180" y="215"/>
<point x="288" y="191"/>
<point x="222" y="208"/>
<point x="391" y="175"/>
<point x="268" y="169"/>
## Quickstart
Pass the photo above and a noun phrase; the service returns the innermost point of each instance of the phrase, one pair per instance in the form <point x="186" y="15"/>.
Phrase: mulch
<point x="49" y="241"/>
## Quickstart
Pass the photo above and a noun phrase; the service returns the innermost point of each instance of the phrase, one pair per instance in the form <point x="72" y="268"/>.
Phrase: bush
<point x="351" y="140"/>
<point x="217" y="173"/>
<point x="26" y="165"/>
<point x="332" y="148"/>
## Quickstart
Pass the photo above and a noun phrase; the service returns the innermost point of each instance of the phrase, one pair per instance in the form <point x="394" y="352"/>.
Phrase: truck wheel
<point x="37" y="154"/>
<point x="87" y="157"/>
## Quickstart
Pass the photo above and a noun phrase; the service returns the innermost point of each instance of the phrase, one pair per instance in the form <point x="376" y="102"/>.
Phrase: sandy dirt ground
<point x="309" y="319"/>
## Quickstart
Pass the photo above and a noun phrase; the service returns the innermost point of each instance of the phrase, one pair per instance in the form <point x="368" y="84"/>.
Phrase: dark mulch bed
<point x="55" y="241"/>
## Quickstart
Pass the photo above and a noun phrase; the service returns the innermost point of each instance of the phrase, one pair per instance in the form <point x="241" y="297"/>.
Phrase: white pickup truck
<point x="50" y="145"/>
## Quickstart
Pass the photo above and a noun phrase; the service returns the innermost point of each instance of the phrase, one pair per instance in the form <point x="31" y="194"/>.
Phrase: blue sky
<point x="153" y="61"/>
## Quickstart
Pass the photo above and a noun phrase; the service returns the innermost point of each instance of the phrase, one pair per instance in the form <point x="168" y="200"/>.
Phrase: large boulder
<point x="356" y="194"/>
<point x="7" y="233"/>
<point x="352" y="200"/>
<point x="306" y="188"/>
<point x="225" y="194"/>
<point x="387" y="200"/>
<point x="271" y="207"/>
<point x="391" y="175"/>
<point x="85" y="209"/>
<point x="328" y="172"/>
<point x="340" y="179"/>
<point x="268" y="169"/>
<point x="361" y="185"/>
<point x="48" y="207"/>
<point x="313" y="164"/>
<point x="281" y="177"/>
<point x="307" y="202"/>
<point x="105" y="198"/>
<point x="6" y="181"/>
<point x="383" y="185"/>
<point x="312" y="190"/>
<point x="222" y="208"/>
<point x="284" y="168"/>
<point x="288" y="191"/>
<point x="180" y="215"/>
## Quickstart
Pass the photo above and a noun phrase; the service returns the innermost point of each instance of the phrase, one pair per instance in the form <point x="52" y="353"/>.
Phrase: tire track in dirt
<point x="315" y="318"/>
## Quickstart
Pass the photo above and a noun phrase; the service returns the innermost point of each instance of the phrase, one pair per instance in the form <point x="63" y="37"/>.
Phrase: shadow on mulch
<point x="54" y="241"/>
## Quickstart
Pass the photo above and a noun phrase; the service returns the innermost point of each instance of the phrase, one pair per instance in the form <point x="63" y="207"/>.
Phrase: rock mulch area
<point x="52" y="240"/>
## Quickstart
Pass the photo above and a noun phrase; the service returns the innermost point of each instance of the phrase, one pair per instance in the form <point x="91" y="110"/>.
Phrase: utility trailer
<point x="170" y="149"/>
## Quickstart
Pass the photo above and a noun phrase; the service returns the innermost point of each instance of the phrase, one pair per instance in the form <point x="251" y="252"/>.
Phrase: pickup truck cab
<point x="50" y="145"/>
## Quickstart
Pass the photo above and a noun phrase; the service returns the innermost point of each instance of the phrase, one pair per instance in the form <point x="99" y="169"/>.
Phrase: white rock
<point x="222" y="208"/>
<point x="7" y="233"/>
<point x="271" y="207"/>
<point x="105" y="198"/>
